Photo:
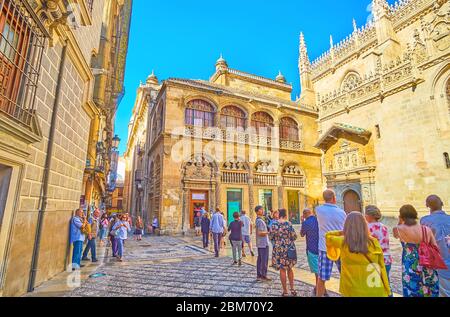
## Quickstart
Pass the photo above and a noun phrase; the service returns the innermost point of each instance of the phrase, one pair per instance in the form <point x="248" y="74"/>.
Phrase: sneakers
<point x="239" y="262"/>
<point x="85" y="259"/>
<point x="94" y="260"/>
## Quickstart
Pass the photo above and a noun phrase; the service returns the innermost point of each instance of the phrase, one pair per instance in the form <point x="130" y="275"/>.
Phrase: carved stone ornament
<point x="265" y="167"/>
<point x="199" y="168"/>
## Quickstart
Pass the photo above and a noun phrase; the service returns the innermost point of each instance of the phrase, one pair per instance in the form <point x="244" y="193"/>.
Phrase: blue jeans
<point x="76" y="254"/>
<point x="217" y="240"/>
<point x="262" y="262"/>
<point x="119" y="247"/>
<point x="205" y="239"/>
<point x="90" y="246"/>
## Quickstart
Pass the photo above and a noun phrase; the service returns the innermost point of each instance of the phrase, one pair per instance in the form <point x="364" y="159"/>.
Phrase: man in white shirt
<point x="246" y="233"/>
<point x="330" y="218"/>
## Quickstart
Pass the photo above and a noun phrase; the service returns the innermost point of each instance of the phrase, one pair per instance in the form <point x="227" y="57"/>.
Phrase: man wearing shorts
<point x="330" y="218"/>
<point x="310" y="230"/>
<point x="246" y="233"/>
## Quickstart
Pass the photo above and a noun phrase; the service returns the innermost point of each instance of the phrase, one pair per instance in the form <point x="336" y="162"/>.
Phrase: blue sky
<point x="179" y="38"/>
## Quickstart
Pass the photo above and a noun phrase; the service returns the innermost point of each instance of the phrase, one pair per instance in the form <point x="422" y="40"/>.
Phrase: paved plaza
<point x="179" y="267"/>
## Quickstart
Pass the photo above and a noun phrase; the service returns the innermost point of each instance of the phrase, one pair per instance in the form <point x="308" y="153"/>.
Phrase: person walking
<point x="121" y="228"/>
<point x="439" y="222"/>
<point x="91" y="244"/>
<point x="235" y="229"/>
<point x="310" y="230"/>
<point x="417" y="281"/>
<point x="284" y="256"/>
<point x="330" y="218"/>
<point x="112" y="237"/>
<point x="363" y="272"/>
<point x="155" y="225"/>
<point x="379" y="231"/>
<point x="198" y="223"/>
<point x="246" y="233"/>
<point x="217" y="228"/>
<point x="77" y="238"/>
<point x="262" y="243"/>
<point x="139" y="227"/>
<point x="104" y="222"/>
<point x="205" y="227"/>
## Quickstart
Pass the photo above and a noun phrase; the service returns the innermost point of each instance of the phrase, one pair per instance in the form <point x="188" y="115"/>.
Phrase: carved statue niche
<point x="419" y="49"/>
<point x="234" y="165"/>
<point x="199" y="168"/>
<point x="265" y="167"/>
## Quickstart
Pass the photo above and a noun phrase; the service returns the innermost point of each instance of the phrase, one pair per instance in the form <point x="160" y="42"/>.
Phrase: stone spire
<point x="221" y="63"/>
<point x="388" y="42"/>
<point x="331" y="48"/>
<point x="280" y="78"/>
<point x="304" y="65"/>
<point x="152" y="79"/>
<point x="355" y="27"/>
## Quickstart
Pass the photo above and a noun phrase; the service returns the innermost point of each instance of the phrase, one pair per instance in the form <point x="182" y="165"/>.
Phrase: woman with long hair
<point x="363" y="272"/>
<point x="139" y="229"/>
<point x="283" y="236"/>
<point x="417" y="281"/>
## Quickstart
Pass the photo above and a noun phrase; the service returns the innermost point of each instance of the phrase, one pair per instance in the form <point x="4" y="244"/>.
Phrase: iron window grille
<point x="21" y="48"/>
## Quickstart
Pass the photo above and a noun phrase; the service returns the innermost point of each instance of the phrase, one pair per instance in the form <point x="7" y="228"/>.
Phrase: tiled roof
<point x="329" y="137"/>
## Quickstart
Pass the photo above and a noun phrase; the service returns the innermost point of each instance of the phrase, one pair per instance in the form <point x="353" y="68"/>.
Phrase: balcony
<point x="242" y="137"/>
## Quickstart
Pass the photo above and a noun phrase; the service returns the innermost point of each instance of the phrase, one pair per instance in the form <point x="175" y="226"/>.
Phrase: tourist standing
<point x="197" y="223"/>
<point x="330" y="218"/>
<point x="205" y="226"/>
<point x="418" y="281"/>
<point x="91" y="244"/>
<point x="217" y="229"/>
<point x="235" y="229"/>
<point x="275" y="215"/>
<point x="310" y="230"/>
<point x="379" y="231"/>
<point x="112" y="237"/>
<point x="77" y="237"/>
<point x="439" y="222"/>
<point x="363" y="272"/>
<point x="138" y="231"/>
<point x="104" y="222"/>
<point x="284" y="254"/>
<point x="121" y="228"/>
<point x="246" y="233"/>
<point x="262" y="243"/>
<point x="155" y="225"/>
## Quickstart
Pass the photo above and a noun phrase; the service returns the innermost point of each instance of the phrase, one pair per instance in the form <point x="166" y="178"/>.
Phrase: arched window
<point x="262" y="121"/>
<point x="199" y="113"/>
<point x="232" y="117"/>
<point x="288" y="129"/>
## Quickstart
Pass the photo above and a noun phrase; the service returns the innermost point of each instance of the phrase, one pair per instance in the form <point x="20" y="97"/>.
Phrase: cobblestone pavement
<point x="166" y="266"/>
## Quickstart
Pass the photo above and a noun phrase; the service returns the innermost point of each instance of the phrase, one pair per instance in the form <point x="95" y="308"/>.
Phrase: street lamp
<point x="115" y="141"/>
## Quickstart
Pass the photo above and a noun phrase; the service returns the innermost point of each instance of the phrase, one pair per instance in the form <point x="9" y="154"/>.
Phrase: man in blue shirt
<point x="262" y="243"/>
<point x="330" y="218"/>
<point x="217" y="228"/>
<point x="310" y="229"/>
<point x="77" y="238"/>
<point x="439" y="222"/>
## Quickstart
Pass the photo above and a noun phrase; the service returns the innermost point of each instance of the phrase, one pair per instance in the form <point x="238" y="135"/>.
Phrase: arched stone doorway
<point x="352" y="201"/>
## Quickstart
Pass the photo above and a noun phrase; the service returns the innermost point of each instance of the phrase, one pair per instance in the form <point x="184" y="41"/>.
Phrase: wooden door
<point x="198" y="199"/>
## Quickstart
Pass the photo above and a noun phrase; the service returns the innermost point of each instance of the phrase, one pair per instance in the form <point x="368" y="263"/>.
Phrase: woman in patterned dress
<point x="283" y="235"/>
<point x="418" y="281"/>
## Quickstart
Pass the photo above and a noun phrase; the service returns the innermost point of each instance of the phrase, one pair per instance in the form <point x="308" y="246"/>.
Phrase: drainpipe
<point x="46" y="176"/>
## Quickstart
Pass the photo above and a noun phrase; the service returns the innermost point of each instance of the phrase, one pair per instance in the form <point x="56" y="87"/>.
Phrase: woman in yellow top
<point x="363" y="272"/>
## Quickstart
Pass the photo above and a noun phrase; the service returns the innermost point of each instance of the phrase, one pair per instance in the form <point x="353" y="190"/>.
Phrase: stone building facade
<point x="46" y="110"/>
<point x="233" y="142"/>
<point x="384" y="109"/>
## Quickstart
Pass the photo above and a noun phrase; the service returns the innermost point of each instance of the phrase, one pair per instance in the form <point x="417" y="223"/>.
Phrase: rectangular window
<point x="21" y="47"/>
<point x="5" y="178"/>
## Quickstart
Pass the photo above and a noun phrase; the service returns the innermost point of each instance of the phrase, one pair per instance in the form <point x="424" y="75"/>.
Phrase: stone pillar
<point x="280" y="191"/>
<point x="184" y="210"/>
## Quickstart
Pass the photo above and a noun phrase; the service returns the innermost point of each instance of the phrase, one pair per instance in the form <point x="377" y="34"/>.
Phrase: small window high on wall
<point x="447" y="160"/>
<point x="5" y="179"/>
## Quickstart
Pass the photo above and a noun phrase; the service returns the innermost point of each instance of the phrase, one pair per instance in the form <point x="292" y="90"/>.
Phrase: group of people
<point x="357" y="243"/>
<point x="109" y="230"/>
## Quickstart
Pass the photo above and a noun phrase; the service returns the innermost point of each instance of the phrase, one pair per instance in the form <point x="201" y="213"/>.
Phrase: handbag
<point x="429" y="254"/>
<point x="292" y="252"/>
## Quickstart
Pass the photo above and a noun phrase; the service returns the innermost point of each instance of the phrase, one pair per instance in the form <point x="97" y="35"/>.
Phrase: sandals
<point x="284" y="294"/>
<point x="293" y="292"/>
